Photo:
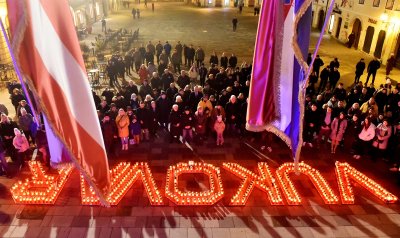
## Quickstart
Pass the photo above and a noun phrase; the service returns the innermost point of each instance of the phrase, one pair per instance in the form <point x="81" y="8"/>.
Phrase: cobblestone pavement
<point x="134" y="217"/>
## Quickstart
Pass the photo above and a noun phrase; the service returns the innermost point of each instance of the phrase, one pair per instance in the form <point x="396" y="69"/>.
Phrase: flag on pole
<point x="47" y="52"/>
<point x="276" y="89"/>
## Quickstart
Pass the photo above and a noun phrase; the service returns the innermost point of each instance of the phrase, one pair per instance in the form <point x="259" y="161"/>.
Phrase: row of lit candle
<point x="42" y="188"/>
<point x="123" y="176"/>
<point x="344" y="172"/>
<point x="263" y="181"/>
<point x="319" y="182"/>
<point x="210" y="197"/>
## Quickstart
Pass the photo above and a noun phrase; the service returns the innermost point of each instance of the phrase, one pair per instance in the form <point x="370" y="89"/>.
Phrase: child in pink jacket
<point x="219" y="127"/>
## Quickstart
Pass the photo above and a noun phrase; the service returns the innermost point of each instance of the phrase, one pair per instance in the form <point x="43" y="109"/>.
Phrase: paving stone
<point x="322" y="231"/>
<point x="49" y="232"/>
<point x="101" y="222"/>
<point x="241" y="222"/>
<point x="63" y="232"/>
<point x="342" y="220"/>
<point x="221" y="232"/>
<point x="226" y="222"/>
<point x="155" y="232"/>
<point x="237" y="232"/>
<point x="33" y="232"/>
<point x="78" y="232"/>
<point x="178" y="232"/>
<point x="19" y="231"/>
<point x="61" y="221"/>
<point x="133" y="232"/>
<point x="81" y="221"/>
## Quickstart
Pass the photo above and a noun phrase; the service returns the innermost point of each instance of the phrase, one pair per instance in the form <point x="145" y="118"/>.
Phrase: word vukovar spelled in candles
<point x="122" y="178"/>
<point x="190" y="198"/>
<point x="44" y="189"/>
<point x="264" y="181"/>
<point x="41" y="188"/>
<point x="344" y="172"/>
<point x="316" y="178"/>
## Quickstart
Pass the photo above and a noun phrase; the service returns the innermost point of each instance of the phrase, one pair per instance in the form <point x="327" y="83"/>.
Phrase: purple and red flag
<point x="276" y="89"/>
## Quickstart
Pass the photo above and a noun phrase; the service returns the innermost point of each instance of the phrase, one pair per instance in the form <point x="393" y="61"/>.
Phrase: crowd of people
<point x="193" y="103"/>
<point x="18" y="137"/>
<point x="365" y="120"/>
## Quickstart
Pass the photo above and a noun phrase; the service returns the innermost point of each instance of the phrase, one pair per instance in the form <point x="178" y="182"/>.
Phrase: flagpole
<point x="17" y="70"/>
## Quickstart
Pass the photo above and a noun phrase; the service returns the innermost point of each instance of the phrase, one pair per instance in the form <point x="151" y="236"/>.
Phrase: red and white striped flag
<point x="47" y="52"/>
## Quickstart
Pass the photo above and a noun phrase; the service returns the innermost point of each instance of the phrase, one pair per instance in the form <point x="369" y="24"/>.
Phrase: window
<point x="361" y="1"/>
<point x="389" y="4"/>
<point x="376" y="3"/>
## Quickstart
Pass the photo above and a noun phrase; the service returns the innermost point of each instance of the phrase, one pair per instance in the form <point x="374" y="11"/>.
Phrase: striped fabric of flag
<point x="275" y="98"/>
<point x="47" y="51"/>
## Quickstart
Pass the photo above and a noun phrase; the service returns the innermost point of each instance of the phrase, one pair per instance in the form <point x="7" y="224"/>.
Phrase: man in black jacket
<point x="311" y="124"/>
<point x="373" y="66"/>
<point x="359" y="70"/>
<point x="317" y="65"/>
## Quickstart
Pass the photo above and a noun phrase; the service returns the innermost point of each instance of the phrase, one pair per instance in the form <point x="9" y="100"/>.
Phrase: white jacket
<point x="368" y="134"/>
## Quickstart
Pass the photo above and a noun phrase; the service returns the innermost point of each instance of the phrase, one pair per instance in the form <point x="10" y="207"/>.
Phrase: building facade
<point x="375" y="24"/>
<point x="86" y="12"/>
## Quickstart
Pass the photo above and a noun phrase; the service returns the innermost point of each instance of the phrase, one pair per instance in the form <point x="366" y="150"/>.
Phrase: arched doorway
<point x="357" y="32"/>
<point x="339" y="25"/>
<point x="368" y="39"/>
<point x="321" y="19"/>
<point x="379" y="44"/>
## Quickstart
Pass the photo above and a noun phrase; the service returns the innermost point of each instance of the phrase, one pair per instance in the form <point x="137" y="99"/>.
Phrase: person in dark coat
<point x="7" y="134"/>
<point x="203" y="74"/>
<point x="163" y="109"/>
<point x="167" y="78"/>
<point x="145" y="89"/>
<point x="224" y="61"/>
<point x="232" y="110"/>
<point x="373" y="66"/>
<point x="334" y="63"/>
<point x="159" y="49"/>
<point x="110" y="133"/>
<point x="360" y="67"/>
<point x="324" y="79"/>
<point x="311" y="124"/>
<point x="17" y="97"/>
<point x="232" y="61"/>
<point x="390" y="63"/>
<point x="317" y="65"/>
<point x="187" y="123"/>
<point x="108" y="95"/>
<point x="175" y="123"/>
<point x="200" y="123"/>
<point x="167" y="48"/>
<point x="234" y="23"/>
<point x="171" y="91"/>
<point x="190" y="55"/>
<point x="334" y="77"/>
<point x="195" y="97"/>
<point x="183" y="79"/>
<point x="153" y="115"/>
<point x="213" y="59"/>
<point x="143" y="116"/>
<point x="176" y="61"/>
<point x="155" y="82"/>
<point x="352" y="37"/>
